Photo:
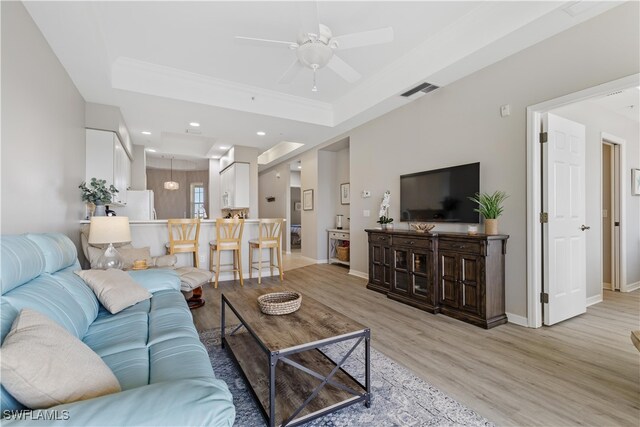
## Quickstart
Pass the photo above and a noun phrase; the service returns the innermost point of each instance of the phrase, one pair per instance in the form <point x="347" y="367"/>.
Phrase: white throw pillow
<point x="43" y="365"/>
<point x="115" y="289"/>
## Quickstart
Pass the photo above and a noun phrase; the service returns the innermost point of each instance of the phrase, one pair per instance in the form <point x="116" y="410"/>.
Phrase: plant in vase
<point x="490" y="206"/>
<point x="98" y="194"/>
<point x="384" y="220"/>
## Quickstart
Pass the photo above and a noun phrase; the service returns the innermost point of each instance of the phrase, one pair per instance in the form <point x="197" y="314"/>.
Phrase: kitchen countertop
<point x="164" y="221"/>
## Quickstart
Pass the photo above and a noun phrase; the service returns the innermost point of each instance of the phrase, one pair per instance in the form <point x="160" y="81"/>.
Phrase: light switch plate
<point x="366" y="213"/>
<point x="366" y="193"/>
<point x="505" y="110"/>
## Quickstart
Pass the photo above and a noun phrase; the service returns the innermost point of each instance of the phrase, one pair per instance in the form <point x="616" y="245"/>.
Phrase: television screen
<point x="440" y="195"/>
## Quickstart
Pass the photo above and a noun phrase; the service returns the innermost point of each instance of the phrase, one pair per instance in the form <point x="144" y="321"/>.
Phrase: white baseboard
<point x="321" y="261"/>
<point x="359" y="274"/>
<point x="517" y="320"/>
<point x="594" y="300"/>
<point x="631" y="287"/>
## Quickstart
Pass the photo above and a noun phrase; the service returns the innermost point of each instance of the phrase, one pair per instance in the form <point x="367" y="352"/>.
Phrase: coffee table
<point x="281" y="359"/>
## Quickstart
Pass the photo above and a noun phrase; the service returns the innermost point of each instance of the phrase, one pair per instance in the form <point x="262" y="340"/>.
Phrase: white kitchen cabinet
<point x="106" y="159"/>
<point x="234" y="186"/>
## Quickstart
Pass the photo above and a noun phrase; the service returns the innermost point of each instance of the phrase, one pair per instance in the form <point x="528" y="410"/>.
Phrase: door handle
<point x="585" y="227"/>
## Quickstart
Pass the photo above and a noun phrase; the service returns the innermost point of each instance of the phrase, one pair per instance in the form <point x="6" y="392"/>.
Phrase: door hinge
<point x="543" y="137"/>
<point x="544" y="217"/>
<point x="544" y="298"/>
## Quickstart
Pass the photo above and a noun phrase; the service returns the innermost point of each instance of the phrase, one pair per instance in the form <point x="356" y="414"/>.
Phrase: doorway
<point x="295" y="207"/>
<point x="611" y="200"/>
<point x="537" y="246"/>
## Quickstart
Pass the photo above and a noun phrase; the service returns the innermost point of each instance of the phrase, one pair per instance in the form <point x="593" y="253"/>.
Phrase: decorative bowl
<point x="422" y="227"/>
<point x="278" y="303"/>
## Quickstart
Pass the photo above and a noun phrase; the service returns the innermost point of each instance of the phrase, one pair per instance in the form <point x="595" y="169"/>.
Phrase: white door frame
<point x="622" y="261"/>
<point x="534" y="231"/>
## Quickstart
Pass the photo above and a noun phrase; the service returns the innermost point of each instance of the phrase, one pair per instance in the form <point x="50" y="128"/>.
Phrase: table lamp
<point x="109" y="229"/>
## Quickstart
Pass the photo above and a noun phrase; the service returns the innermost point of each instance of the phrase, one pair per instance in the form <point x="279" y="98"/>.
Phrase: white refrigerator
<point x="139" y="206"/>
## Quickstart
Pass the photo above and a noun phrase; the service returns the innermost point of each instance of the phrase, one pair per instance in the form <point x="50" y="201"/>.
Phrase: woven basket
<point x="278" y="303"/>
<point x="342" y="253"/>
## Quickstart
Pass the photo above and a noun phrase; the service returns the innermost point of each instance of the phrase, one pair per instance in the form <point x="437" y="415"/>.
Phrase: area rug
<point x="399" y="397"/>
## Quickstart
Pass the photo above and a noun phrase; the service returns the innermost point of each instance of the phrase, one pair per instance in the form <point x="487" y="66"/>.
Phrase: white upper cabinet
<point x="106" y="159"/>
<point x="234" y="186"/>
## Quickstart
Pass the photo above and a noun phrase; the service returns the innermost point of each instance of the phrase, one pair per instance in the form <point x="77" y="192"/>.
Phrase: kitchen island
<point x="155" y="234"/>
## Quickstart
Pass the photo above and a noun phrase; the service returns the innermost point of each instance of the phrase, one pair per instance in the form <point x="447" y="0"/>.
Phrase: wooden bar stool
<point x="183" y="237"/>
<point x="228" y="238"/>
<point x="269" y="237"/>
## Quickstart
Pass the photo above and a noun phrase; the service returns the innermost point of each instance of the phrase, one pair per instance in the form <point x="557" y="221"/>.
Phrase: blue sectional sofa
<point x="152" y="347"/>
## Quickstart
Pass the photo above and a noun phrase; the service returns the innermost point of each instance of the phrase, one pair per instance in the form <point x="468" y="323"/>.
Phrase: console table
<point x="456" y="274"/>
<point x="335" y="238"/>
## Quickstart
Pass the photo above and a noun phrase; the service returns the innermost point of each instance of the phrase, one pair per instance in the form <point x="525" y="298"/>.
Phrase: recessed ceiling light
<point x="215" y="157"/>
<point x="151" y="150"/>
<point x="145" y="132"/>
<point x="299" y="167"/>
<point x="194" y="124"/>
<point x="261" y="133"/>
<point x="224" y="147"/>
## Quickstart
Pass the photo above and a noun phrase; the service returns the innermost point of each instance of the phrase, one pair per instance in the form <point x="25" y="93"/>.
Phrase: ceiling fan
<point x="316" y="50"/>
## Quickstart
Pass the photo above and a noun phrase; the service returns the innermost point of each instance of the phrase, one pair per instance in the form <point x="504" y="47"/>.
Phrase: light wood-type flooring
<point x="584" y="371"/>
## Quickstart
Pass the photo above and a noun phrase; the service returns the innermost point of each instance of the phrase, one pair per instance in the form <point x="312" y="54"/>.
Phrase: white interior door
<point x="563" y="198"/>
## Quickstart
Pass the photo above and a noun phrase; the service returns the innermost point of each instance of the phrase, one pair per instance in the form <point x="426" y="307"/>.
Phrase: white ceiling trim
<point x="454" y="52"/>
<point x="476" y="30"/>
<point x="158" y="80"/>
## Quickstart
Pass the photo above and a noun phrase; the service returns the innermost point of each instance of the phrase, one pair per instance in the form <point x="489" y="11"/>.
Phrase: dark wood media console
<point x="455" y="274"/>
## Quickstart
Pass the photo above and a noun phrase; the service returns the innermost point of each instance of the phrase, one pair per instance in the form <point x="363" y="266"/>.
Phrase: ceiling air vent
<point x="193" y="131"/>
<point x="614" y="93"/>
<point x="424" y="87"/>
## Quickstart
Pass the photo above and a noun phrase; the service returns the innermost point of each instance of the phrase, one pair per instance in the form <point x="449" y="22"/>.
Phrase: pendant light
<point x="171" y="185"/>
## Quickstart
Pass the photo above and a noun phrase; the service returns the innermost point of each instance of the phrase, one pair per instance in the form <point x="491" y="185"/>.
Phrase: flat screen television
<point x="440" y="195"/>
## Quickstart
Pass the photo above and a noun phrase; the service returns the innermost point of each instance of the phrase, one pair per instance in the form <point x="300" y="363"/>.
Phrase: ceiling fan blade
<point x="265" y="42"/>
<point x="343" y="69"/>
<point x="291" y="72"/>
<point x="308" y="17"/>
<point x="365" y="38"/>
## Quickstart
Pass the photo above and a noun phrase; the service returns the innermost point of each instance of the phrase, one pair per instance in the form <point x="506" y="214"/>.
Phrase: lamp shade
<point x="109" y="229"/>
<point x="171" y="185"/>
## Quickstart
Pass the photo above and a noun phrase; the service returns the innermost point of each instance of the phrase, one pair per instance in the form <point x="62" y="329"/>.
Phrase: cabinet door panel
<point x="448" y="279"/>
<point x="423" y="276"/>
<point x="470" y="271"/>
<point x="401" y="275"/>
<point x="401" y="282"/>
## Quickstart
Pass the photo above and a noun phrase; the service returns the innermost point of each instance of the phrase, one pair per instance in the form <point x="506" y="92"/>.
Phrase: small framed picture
<point x="345" y="194"/>
<point x="297" y="206"/>
<point x="307" y="200"/>
<point x="635" y="182"/>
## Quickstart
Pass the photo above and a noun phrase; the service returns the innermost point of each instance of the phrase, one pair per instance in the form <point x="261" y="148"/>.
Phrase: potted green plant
<point x="98" y="194"/>
<point x="385" y="222"/>
<point x="490" y="206"/>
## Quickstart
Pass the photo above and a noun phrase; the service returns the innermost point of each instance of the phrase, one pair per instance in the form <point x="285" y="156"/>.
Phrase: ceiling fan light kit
<point x="316" y="51"/>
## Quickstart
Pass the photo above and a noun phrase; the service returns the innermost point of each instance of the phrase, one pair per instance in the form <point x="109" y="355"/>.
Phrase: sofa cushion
<point x="156" y="279"/>
<point x="21" y="260"/>
<point x="79" y="291"/>
<point x="115" y="289"/>
<point x="43" y="365"/>
<point x="7" y="316"/>
<point x="59" y="251"/>
<point x="46" y="295"/>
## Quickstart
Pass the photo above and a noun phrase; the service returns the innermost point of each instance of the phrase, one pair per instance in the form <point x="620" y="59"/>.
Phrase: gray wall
<point x="176" y="203"/>
<point x="597" y="120"/>
<point x="460" y="123"/>
<point x="43" y="136"/>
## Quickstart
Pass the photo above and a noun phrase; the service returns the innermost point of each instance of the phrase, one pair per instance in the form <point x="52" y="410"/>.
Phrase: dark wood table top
<point x="313" y="322"/>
